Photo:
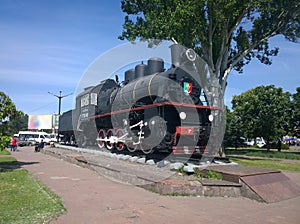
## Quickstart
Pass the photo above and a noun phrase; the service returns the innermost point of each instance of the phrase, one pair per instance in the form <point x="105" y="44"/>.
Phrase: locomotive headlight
<point x="182" y="115"/>
<point x="210" y="117"/>
<point x="191" y="54"/>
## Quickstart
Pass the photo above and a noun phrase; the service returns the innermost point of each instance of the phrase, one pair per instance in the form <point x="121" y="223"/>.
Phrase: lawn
<point x="270" y="164"/>
<point x="259" y="152"/>
<point x="24" y="199"/>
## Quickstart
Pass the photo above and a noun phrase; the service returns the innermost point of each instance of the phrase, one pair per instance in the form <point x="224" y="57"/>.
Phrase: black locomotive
<point x="152" y="109"/>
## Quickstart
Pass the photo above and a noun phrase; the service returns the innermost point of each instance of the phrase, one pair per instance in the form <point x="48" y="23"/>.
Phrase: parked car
<point x="26" y="142"/>
<point x="260" y="142"/>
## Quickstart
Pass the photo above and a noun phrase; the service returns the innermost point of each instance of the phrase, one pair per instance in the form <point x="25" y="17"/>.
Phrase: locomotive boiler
<point x="152" y="109"/>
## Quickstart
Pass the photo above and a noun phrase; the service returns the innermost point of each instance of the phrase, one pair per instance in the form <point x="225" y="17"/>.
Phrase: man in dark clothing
<point x="40" y="146"/>
<point x="279" y="145"/>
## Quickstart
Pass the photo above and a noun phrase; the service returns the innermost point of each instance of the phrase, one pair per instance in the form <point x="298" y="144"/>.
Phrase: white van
<point x="36" y="136"/>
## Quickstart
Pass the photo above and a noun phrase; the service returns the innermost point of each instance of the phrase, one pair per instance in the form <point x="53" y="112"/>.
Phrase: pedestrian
<point x="39" y="146"/>
<point x="279" y="145"/>
<point x="42" y="144"/>
<point x="14" y="144"/>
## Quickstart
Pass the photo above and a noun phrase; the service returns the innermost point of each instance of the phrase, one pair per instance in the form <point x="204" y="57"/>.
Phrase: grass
<point x="284" y="154"/>
<point x="24" y="199"/>
<point x="272" y="154"/>
<point x="4" y="152"/>
<point x="270" y="164"/>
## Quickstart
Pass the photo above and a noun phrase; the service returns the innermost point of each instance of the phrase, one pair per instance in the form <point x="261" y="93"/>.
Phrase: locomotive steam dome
<point x="141" y="70"/>
<point x="155" y="65"/>
<point x="129" y="75"/>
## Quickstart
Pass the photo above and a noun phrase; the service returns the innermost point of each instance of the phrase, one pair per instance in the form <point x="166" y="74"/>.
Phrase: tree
<point x="18" y="123"/>
<point x="226" y="34"/>
<point x="295" y="110"/>
<point x="263" y="112"/>
<point x="233" y="133"/>
<point x="7" y="111"/>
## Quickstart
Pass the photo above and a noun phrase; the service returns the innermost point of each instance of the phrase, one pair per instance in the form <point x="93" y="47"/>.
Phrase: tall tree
<point x="226" y="34"/>
<point x="263" y="112"/>
<point x="7" y="111"/>
<point x="233" y="133"/>
<point x="295" y="110"/>
<point x="18" y="123"/>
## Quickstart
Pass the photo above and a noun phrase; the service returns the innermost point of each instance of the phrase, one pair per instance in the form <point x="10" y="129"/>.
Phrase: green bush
<point x="213" y="175"/>
<point x="4" y="142"/>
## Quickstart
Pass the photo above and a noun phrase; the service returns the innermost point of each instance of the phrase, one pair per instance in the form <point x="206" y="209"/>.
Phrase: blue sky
<point x="49" y="46"/>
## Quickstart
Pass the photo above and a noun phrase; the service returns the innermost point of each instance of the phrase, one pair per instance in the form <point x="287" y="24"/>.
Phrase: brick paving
<point x="89" y="197"/>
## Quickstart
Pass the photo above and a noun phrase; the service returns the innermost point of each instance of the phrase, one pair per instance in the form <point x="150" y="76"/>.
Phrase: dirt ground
<point x="89" y="197"/>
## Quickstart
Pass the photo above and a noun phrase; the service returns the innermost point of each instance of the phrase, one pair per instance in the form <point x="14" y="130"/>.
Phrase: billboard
<point x="40" y="122"/>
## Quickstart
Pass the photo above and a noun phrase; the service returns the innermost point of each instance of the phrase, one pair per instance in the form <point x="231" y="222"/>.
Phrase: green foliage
<point x="7" y="111"/>
<point x="213" y="175"/>
<point x="198" y="174"/>
<point x="295" y="117"/>
<point x="4" y="142"/>
<point x="7" y="107"/>
<point x="17" y="123"/>
<point x="262" y="111"/>
<point x="233" y="133"/>
<point x="226" y="34"/>
<point x="180" y="170"/>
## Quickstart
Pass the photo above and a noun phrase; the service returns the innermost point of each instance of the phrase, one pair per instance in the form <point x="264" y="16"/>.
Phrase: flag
<point x="187" y="88"/>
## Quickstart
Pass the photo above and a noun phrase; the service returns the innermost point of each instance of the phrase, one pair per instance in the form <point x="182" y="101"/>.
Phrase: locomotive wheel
<point x="108" y="144"/>
<point x="101" y="135"/>
<point x="131" y="147"/>
<point x="146" y="148"/>
<point x="120" y="145"/>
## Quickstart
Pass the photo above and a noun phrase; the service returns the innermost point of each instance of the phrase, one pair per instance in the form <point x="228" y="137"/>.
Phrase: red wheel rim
<point x="120" y="145"/>
<point x="109" y="145"/>
<point x="101" y="135"/>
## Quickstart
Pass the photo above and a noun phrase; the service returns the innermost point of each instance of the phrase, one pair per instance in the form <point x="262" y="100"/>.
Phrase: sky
<point x="51" y="46"/>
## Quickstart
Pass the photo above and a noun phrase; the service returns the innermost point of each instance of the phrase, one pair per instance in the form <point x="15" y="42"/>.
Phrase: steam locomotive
<point x="152" y="109"/>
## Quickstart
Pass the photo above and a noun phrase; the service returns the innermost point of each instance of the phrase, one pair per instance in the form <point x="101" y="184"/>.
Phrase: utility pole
<point x="59" y="99"/>
<point x="59" y="103"/>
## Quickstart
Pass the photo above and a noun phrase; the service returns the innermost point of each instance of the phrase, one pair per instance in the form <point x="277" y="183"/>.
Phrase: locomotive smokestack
<point x="177" y="52"/>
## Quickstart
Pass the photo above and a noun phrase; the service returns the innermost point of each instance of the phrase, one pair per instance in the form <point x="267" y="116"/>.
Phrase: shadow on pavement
<point x="14" y="165"/>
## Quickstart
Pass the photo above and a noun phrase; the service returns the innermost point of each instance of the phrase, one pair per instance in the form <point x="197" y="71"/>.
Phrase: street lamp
<point x="59" y="99"/>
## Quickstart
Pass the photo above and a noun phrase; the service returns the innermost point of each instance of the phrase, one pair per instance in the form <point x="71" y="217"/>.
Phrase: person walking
<point x="14" y="144"/>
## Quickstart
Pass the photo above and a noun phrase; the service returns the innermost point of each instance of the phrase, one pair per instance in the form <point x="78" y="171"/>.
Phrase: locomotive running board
<point x="265" y="184"/>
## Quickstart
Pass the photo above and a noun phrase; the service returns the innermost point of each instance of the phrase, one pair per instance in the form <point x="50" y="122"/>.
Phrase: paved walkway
<point x="92" y="198"/>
